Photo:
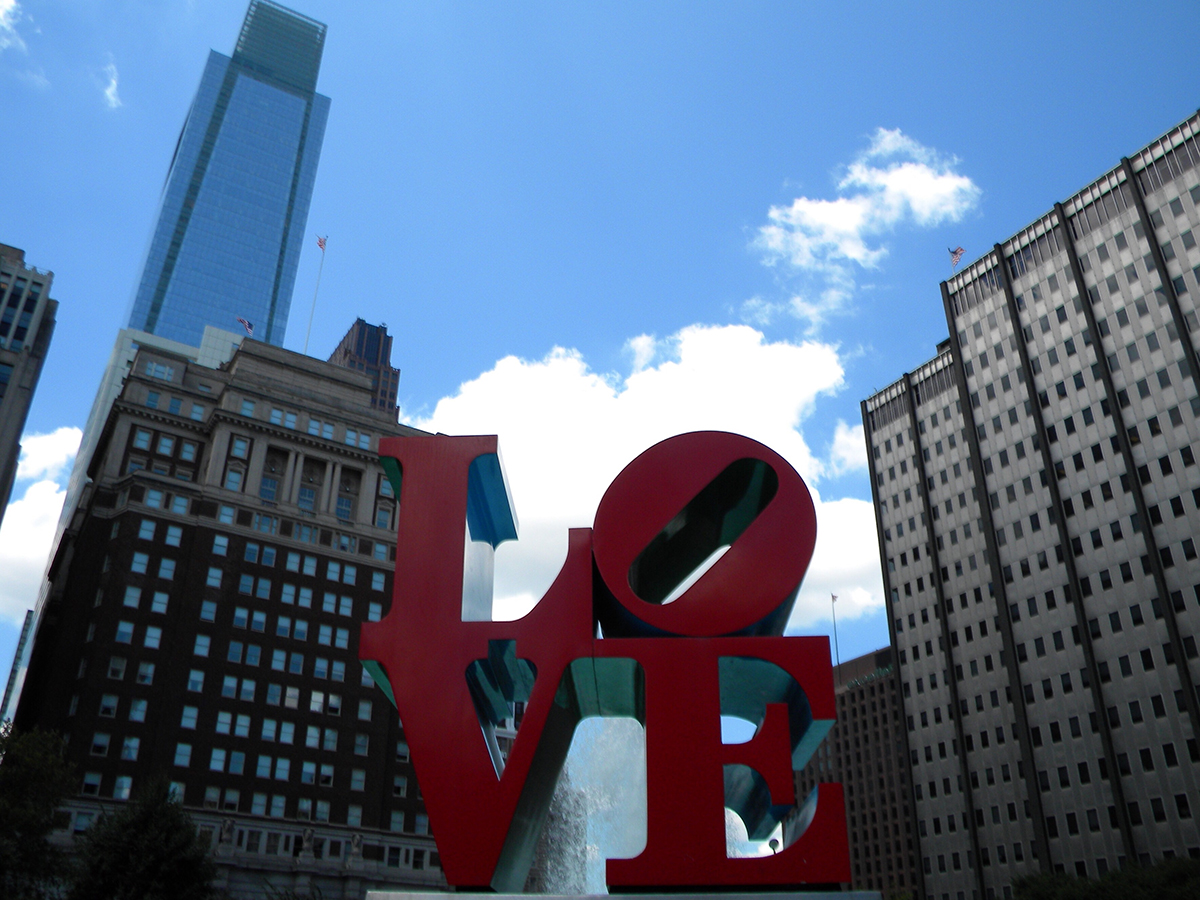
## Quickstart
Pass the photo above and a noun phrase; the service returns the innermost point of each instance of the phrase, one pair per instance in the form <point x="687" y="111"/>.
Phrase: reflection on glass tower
<point x="233" y="210"/>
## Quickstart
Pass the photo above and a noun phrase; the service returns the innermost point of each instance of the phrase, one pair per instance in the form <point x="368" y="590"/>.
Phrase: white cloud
<point x="760" y="312"/>
<point x="30" y="521"/>
<point x="48" y="456"/>
<point x="895" y="181"/>
<point x="111" y="98"/>
<point x="35" y="78"/>
<point x="10" y="15"/>
<point x="845" y="562"/>
<point x="849" y="450"/>
<point x="566" y="431"/>
<point x="25" y="539"/>
<point x="642" y="348"/>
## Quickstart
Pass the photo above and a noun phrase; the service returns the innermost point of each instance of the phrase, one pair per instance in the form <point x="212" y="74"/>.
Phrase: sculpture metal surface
<point x="676" y="653"/>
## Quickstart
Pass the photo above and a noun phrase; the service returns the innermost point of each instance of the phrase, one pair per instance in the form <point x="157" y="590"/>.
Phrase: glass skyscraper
<point x="232" y="216"/>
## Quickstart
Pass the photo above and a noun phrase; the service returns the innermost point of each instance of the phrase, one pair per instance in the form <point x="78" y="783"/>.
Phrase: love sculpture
<point x="676" y="667"/>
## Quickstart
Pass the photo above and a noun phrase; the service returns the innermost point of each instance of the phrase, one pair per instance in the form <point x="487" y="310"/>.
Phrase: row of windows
<point x="314" y="426"/>
<point x="277" y="767"/>
<point x="275" y="692"/>
<point x="265" y="555"/>
<point x="282" y="660"/>
<point x="306" y="809"/>
<point x="174" y="405"/>
<point x="300" y="531"/>
<point x="125" y="633"/>
<point x="275" y="806"/>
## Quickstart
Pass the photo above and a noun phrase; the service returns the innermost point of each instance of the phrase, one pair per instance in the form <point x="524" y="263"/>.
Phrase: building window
<point x="183" y="755"/>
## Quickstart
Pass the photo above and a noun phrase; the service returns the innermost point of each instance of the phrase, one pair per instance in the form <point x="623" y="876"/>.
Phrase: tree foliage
<point x="34" y="779"/>
<point x="1171" y="879"/>
<point x="148" y="850"/>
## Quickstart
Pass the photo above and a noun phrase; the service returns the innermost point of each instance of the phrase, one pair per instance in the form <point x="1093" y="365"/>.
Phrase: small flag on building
<point x="247" y="325"/>
<point x="321" y="242"/>
<point x="956" y="257"/>
<point x="834" y="596"/>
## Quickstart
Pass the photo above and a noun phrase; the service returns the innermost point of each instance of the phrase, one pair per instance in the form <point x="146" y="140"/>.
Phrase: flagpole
<point x="320" y="269"/>
<point x="836" y="651"/>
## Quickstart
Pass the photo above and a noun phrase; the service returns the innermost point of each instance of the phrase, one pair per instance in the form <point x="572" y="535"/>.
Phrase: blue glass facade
<point x="232" y="216"/>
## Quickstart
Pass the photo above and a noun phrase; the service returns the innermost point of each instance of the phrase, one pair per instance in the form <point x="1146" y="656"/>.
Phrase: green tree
<point x="34" y="779"/>
<point x="1171" y="879"/>
<point x="148" y="850"/>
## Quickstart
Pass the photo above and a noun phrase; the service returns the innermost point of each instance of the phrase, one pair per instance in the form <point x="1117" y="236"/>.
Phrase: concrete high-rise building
<point x="1038" y="502"/>
<point x="27" y="317"/>
<point x="368" y="348"/>
<point x="203" y="617"/>
<point x="231" y="220"/>
<point x="866" y="751"/>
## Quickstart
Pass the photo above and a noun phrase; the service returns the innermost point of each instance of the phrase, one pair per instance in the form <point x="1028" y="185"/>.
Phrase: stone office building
<point x="1038" y="501"/>
<point x="866" y="752"/>
<point x="203" y="622"/>
<point x="27" y="317"/>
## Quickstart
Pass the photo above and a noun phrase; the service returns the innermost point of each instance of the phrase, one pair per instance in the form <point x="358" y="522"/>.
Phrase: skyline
<point x="595" y="216"/>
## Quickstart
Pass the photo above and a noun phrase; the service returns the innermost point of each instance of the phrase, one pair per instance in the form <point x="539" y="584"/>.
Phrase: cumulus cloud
<point x="849" y="450"/>
<point x="110" y="78"/>
<point x="30" y="520"/>
<point x="566" y="431"/>
<point x="10" y="15"/>
<point x="845" y="562"/>
<point x="48" y="456"/>
<point x="642" y="349"/>
<point x="895" y="181"/>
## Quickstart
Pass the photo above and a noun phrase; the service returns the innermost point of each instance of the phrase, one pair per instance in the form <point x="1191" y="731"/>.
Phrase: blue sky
<point x="589" y="226"/>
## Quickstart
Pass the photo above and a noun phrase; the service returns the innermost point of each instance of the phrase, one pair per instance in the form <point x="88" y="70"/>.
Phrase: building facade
<point x="203" y="622"/>
<point x="866" y="751"/>
<point x="368" y="349"/>
<point x="216" y="347"/>
<point x="1038" y="498"/>
<point x="27" y="317"/>
<point x="231" y="219"/>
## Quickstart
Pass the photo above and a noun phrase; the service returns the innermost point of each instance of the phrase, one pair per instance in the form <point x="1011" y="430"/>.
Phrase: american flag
<point x="247" y="325"/>
<point x="956" y="256"/>
<point x="321" y="242"/>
